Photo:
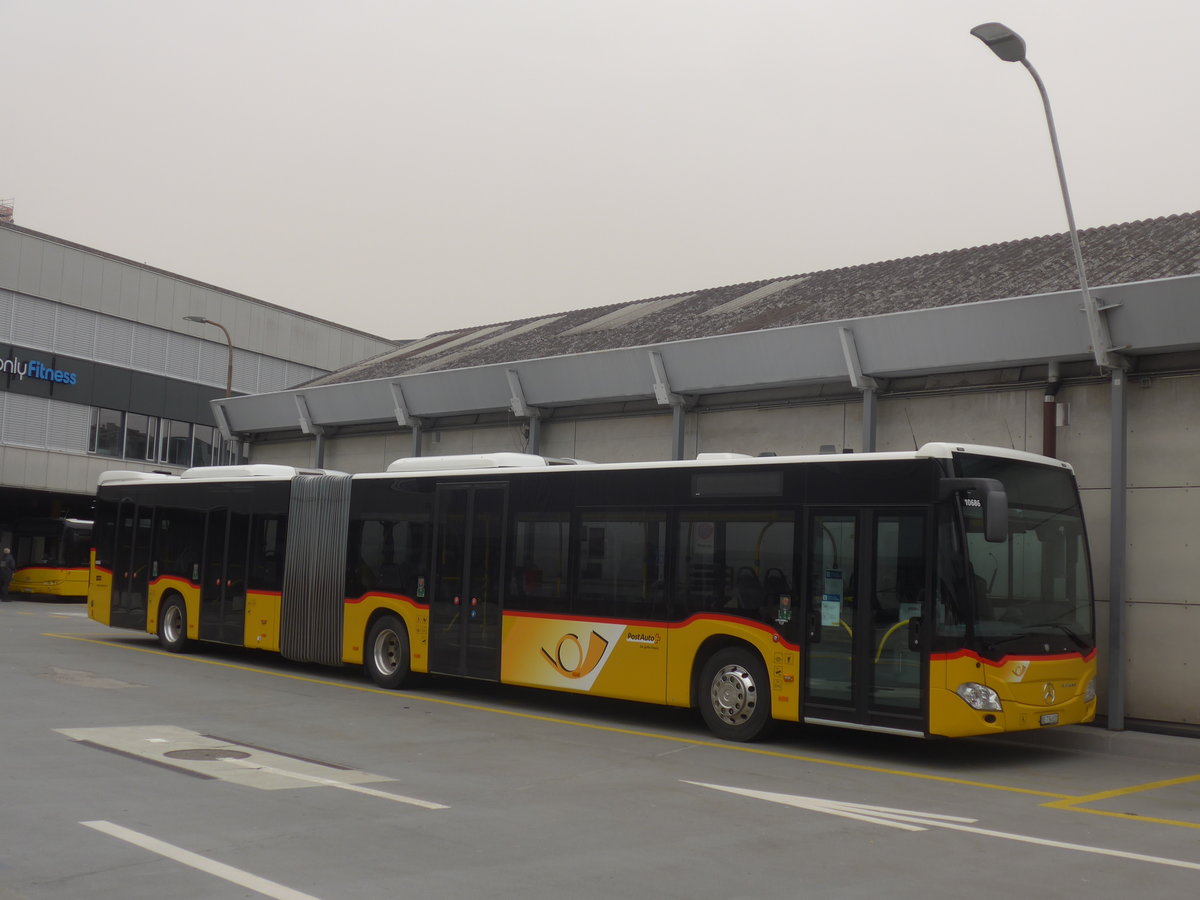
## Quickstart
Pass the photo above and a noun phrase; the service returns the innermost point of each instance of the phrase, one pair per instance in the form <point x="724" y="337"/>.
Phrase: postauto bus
<point x="940" y="592"/>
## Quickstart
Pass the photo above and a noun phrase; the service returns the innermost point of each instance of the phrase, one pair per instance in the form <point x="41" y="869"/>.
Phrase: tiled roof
<point x="1114" y="254"/>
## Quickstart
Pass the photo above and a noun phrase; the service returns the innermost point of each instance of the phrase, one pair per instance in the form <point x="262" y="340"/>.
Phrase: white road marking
<point x="330" y="782"/>
<point x="910" y="820"/>
<point x="233" y="763"/>
<point x="203" y="863"/>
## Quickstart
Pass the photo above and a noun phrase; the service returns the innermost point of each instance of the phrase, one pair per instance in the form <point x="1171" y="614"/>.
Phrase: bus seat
<point x="747" y="590"/>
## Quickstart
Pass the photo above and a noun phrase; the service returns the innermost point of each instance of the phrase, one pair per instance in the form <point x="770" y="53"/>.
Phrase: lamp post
<point x="228" y="341"/>
<point x="1010" y="47"/>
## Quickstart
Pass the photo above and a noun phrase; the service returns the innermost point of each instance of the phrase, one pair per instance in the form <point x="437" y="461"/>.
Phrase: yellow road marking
<point x="1058" y="801"/>
<point x="1075" y="804"/>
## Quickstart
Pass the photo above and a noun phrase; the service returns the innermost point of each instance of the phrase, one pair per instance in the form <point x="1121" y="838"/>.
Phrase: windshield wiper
<point x="1029" y="632"/>
<point x="1068" y="631"/>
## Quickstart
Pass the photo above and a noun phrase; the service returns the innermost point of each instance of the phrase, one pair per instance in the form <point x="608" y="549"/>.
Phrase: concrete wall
<point x="1163" y="605"/>
<point x="51" y="470"/>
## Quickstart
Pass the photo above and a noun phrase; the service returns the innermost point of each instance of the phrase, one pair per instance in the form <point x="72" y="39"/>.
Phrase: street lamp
<point x="1010" y="47"/>
<point x="229" y="341"/>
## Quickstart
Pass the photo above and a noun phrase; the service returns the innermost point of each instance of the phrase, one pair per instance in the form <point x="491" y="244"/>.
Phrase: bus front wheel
<point x="172" y="625"/>
<point x="735" y="695"/>
<point x="386" y="657"/>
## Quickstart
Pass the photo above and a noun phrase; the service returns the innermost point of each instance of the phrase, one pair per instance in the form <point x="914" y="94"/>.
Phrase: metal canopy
<point x="1144" y="318"/>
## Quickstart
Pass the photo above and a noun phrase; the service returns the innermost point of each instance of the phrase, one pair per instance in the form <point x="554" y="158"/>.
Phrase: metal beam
<point x="677" y="430"/>
<point x="403" y="417"/>
<point x="1116" y="554"/>
<point x="307" y="426"/>
<point x="869" y="415"/>
<point x="516" y="403"/>
<point x="850" y="352"/>
<point x="222" y="421"/>
<point x="662" y="385"/>
<point x="534" y="444"/>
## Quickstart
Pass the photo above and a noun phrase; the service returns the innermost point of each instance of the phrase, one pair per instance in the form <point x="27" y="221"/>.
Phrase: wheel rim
<point x="172" y="623"/>
<point x="387" y="653"/>
<point x="734" y="695"/>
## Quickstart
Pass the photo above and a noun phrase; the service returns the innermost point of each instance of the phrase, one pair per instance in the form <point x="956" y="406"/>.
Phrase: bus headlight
<point x="1089" y="692"/>
<point x="978" y="696"/>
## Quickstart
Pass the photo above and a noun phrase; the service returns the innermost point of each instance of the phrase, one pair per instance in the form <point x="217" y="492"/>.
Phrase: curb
<point x="1093" y="739"/>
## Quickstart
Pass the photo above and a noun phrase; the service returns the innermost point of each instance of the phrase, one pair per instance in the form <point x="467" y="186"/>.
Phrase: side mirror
<point x="993" y="498"/>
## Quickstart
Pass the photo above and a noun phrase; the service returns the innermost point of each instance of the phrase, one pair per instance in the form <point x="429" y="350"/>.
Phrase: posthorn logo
<point x="569" y="658"/>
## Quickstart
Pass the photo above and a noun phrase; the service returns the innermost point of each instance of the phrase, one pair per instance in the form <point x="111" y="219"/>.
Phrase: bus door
<point x="868" y="575"/>
<point x="223" y="577"/>
<point x="130" y="572"/>
<point x="465" y="601"/>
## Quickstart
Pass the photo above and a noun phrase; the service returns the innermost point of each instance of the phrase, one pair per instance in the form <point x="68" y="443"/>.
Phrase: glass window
<point x="389" y="556"/>
<point x="205" y="450"/>
<point x="1032" y="590"/>
<point x="177" y="547"/>
<point x="952" y="594"/>
<point x="107" y="432"/>
<point x="76" y="546"/>
<point x="622" y="565"/>
<point x="832" y="598"/>
<point x="739" y="563"/>
<point x="539" y="566"/>
<point x="897" y="606"/>
<point x="176" y="443"/>
<point x="140" y="435"/>
<point x="267" y="542"/>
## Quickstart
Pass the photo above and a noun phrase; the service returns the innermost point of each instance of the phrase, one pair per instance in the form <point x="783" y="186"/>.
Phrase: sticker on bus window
<point x="831" y="600"/>
<point x="831" y="611"/>
<point x="784" y="615"/>
<point x="421" y="586"/>
<point x="833" y="582"/>
<point x="910" y="611"/>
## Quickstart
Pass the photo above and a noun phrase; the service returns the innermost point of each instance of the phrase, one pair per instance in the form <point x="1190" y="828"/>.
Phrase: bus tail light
<point x="978" y="696"/>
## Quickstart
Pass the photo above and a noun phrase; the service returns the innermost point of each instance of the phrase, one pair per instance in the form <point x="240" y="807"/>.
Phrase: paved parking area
<point x="130" y="773"/>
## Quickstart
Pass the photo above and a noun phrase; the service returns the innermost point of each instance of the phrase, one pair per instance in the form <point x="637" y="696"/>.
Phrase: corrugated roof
<point x="1114" y="254"/>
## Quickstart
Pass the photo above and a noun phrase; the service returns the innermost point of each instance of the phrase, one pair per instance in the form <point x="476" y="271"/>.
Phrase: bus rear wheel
<point x="172" y="625"/>
<point x="734" y="695"/>
<point x="386" y="656"/>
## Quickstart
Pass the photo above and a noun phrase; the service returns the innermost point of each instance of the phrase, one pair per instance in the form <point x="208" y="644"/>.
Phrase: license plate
<point x="1049" y="719"/>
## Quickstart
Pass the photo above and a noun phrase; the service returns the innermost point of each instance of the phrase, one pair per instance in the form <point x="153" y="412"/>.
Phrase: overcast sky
<point x="409" y="166"/>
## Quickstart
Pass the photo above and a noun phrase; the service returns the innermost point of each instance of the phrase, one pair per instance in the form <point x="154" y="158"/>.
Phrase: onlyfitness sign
<point x="34" y="369"/>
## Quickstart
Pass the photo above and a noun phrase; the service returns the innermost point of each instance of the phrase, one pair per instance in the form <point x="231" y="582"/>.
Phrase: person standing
<point x="8" y="566"/>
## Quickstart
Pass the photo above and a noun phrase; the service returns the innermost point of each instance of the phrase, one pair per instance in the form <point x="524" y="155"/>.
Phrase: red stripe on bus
<point x="1002" y="661"/>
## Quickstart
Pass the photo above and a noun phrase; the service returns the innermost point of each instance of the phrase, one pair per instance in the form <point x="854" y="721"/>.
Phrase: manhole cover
<point x="206" y="754"/>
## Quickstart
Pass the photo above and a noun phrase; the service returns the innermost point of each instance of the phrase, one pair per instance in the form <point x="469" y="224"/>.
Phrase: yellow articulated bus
<point x="940" y="592"/>
<point x="52" y="558"/>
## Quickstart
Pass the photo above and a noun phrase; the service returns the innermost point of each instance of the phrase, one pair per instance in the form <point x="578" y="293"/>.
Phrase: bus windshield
<point x="1032" y="593"/>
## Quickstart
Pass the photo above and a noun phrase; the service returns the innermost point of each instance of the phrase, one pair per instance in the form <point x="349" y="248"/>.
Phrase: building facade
<point x="987" y="345"/>
<point x="101" y="370"/>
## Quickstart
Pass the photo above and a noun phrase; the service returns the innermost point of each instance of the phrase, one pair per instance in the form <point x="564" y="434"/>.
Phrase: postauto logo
<point x="570" y="660"/>
<point x="34" y="369"/>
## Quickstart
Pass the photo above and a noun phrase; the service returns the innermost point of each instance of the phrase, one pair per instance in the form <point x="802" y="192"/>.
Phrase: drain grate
<point x="207" y="753"/>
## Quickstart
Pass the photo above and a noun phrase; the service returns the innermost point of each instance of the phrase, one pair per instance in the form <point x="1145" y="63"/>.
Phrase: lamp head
<point x="200" y="319"/>
<point x="1001" y="40"/>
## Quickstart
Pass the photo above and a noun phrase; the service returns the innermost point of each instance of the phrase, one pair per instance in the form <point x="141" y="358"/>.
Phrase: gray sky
<point x="409" y="166"/>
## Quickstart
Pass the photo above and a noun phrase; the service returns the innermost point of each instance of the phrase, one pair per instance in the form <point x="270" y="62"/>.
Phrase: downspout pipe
<point x="1050" y="411"/>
